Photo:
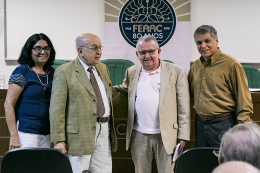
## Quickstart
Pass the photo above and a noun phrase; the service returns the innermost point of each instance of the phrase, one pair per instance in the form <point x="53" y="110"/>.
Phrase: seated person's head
<point x="236" y="167"/>
<point x="241" y="143"/>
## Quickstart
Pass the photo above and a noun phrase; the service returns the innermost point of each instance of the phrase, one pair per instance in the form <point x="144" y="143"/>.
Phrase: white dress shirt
<point x="102" y="88"/>
<point x="147" y="102"/>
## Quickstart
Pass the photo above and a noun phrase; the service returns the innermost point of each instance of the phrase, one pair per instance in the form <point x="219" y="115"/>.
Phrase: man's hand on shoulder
<point x="61" y="146"/>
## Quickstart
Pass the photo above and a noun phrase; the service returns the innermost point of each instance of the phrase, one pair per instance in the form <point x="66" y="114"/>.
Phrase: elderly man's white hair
<point x="241" y="143"/>
<point x="146" y="38"/>
<point x="80" y="41"/>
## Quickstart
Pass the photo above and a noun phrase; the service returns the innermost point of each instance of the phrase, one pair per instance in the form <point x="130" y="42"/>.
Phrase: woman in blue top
<point x="28" y="96"/>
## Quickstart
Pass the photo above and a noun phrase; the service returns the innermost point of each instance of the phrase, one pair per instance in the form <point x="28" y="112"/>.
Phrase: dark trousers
<point x="209" y="132"/>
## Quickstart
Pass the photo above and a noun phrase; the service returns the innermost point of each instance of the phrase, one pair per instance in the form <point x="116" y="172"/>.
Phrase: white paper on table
<point x="176" y="152"/>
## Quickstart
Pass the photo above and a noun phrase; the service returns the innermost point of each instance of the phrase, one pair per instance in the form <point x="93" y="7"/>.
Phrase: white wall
<point x="6" y="67"/>
<point x="237" y="24"/>
<point x="61" y="20"/>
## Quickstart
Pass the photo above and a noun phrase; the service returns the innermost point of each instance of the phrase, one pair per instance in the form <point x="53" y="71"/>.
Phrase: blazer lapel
<point x="102" y="73"/>
<point x="133" y="82"/>
<point x="82" y="77"/>
<point x="165" y="79"/>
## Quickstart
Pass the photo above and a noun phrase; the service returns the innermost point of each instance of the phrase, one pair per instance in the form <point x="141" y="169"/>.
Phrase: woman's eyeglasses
<point x="39" y="49"/>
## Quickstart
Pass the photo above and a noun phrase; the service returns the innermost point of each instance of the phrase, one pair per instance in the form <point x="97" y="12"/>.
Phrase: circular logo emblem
<point x="143" y="17"/>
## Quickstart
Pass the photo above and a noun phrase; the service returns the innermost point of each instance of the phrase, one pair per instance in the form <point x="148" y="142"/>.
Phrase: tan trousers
<point x="100" y="161"/>
<point x="143" y="147"/>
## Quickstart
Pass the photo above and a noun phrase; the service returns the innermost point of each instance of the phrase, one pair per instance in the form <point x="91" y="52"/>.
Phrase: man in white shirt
<point x="158" y="108"/>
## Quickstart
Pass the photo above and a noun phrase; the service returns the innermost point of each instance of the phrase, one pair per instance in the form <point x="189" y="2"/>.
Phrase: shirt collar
<point x="158" y="70"/>
<point x="211" y="59"/>
<point x="85" y="65"/>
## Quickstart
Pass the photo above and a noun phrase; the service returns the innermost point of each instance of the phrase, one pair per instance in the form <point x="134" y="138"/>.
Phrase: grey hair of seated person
<point x="236" y="167"/>
<point x="204" y="29"/>
<point x="241" y="143"/>
<point x="146" y="38"/>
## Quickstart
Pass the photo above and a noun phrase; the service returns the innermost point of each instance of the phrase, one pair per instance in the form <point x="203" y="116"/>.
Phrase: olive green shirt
<point x="219" y="85"/>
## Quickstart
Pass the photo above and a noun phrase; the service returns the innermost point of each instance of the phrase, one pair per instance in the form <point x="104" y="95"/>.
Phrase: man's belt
<point x="211" y="117"/>
<point x="103" y="119"/>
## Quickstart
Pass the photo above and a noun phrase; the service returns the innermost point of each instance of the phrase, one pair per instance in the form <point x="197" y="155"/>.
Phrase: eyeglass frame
<point x="216" y="153"/>
<point x="94" y="47"/>
<point x="40" y="49"/>
<point x="152" y="53"/>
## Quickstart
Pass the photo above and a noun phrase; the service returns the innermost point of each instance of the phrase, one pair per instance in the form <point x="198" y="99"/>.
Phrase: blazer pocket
<point x="72" y="128"/>
<point x="175" y="125"/>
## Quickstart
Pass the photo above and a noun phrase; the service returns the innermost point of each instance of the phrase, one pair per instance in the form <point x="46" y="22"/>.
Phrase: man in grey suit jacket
<point x="158" y="108"/>
<point x="78" y="126"/>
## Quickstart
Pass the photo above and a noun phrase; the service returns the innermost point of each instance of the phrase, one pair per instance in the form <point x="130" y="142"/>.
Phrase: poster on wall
<point x="168" y="21"/>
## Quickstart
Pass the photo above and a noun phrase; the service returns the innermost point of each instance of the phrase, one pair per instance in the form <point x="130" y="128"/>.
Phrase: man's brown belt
<point x="103" y="119"/>
<point x="211" y="117"/>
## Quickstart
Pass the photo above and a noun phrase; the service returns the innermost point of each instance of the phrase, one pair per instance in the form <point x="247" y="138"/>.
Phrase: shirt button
<point x="94" y="100"/>
<point x="204" y="78"/>
<point x="94" y="127"/>
<point x="94" y="114"/>
<point x="200" y="100"/>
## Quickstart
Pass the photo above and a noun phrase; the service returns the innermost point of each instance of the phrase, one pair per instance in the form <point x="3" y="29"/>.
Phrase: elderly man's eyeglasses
<point x="40" y="49"/>
<point x="94" y="48"/>
<point x="216" y="153"/>
<point x="150" y="52"/>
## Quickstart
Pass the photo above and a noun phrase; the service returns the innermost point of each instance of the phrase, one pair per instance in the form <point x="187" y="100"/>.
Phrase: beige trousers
<point x="100" y="161"/>
<point x="144" y="147"/>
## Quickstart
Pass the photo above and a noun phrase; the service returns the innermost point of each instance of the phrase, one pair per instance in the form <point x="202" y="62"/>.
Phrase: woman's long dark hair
<point x="26" y="54"/>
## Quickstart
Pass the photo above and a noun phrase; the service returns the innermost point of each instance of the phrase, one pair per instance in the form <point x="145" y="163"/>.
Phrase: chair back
<point x="58" y="62"/>
<point x="253" y="76"/>
<point x="197" y="160"/>
<point x="35" y="160"/>
<point x="117" y="69"/>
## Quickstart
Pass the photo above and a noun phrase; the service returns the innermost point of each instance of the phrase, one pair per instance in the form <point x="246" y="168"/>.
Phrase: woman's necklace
<point x="44" y="85"/>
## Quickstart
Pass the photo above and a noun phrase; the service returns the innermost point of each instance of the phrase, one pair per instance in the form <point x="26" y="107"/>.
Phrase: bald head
<point x="84" y="39"/>
<point x="89" y="48"/>
<point x="236" y="167"/>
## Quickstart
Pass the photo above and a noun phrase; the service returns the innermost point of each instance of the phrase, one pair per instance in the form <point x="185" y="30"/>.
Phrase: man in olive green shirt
<point x="219" y="86"/>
